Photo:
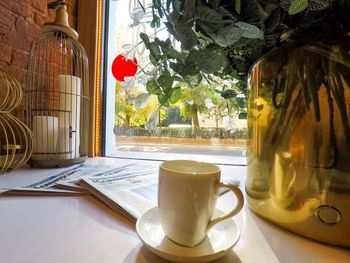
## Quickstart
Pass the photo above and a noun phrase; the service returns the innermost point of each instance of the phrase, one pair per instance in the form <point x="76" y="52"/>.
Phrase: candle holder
<point x="16" y="139"/>
<point x="57" y="94"/>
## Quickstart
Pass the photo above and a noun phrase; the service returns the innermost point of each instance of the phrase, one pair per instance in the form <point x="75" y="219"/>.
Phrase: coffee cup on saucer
<point x="187" y="194"/>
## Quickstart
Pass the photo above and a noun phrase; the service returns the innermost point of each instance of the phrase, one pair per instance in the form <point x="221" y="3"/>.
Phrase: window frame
<point x="91" y="37"/>
<point x="108" y="148"/>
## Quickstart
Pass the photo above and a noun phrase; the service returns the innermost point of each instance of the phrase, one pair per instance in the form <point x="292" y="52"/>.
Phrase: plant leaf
<point x="242" y="116"/>
<point x="170" y="28"/>
<point x="285" y="4"/>
<point x="145" y="39"/>
<point x="162" y="43"/>
<point x="317" y="5"/>
<point x="153" y="87"/>
<point x="227" y="94"/>
<point x="188" y="70"/>
<point x="209" y="17"/>
<point x="227" y="36"/>
<point x="169" y="51"/>
<point x="177" y="5"/>
<point x="176" y="67"/>
<point x="154" y="52"/>
<point x="164" y="99"/>
<point x="238" y="6"/>
<point x="250" y="31"/>
<point x="175" y="95"/>
<point x="165" y="81"/>
<point x="297" y="6"/>
<point x="185" y="35"/>
<point x="206" y="60"/>
<point x="255" y="9"/>
<point x="153" y="60"/>
<point x="193" y="81"/>
<point x="157" y="4"/>
<point x="241" y="102"/>
<point x="155" y="21"/>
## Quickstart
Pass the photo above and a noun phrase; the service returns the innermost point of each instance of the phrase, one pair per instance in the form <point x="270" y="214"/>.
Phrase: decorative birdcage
<point x="16" y="139"/>
<point x="57" y="94"/>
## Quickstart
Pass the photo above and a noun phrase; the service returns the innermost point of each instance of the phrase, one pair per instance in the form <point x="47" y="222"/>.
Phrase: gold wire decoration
<point x="57" y="94"/>
<point x="16" y="139"/>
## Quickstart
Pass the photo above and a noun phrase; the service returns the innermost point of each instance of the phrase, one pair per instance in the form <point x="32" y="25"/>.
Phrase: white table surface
<point x="74" y="229"/>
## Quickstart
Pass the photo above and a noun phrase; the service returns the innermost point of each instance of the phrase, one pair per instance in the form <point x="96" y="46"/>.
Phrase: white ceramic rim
<point x="212" y="168"/>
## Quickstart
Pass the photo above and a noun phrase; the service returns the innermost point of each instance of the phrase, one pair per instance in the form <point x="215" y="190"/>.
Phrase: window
<point x="201" y="125"/>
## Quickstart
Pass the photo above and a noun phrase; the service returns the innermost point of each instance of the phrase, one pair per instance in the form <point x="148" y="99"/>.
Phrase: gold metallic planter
<point x="299" y="138"/>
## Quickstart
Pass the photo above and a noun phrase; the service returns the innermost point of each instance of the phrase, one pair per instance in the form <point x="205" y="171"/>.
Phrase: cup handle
<point x="239" y="206"/>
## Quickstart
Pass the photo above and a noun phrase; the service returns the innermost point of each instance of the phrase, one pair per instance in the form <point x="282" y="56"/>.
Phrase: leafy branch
<point x="220" y="38"/>
<point x="223" y="39"/>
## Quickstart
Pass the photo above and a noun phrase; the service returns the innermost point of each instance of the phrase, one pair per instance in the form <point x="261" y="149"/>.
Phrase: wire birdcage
<point x="16" y="139"/>
<point x="57" y="94"/>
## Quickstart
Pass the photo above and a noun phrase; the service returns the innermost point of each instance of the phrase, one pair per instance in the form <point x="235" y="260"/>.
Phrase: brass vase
<point x="299" y="137"/>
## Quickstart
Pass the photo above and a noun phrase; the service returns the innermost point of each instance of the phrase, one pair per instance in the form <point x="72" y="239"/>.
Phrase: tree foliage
<point x="126" y="115"/>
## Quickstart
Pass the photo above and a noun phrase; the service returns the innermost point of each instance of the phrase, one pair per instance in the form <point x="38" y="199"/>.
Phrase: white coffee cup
<point x="187" y="194"/>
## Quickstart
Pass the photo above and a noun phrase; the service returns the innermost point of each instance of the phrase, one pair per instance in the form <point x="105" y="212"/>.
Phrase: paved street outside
<point x="232" y="151"/>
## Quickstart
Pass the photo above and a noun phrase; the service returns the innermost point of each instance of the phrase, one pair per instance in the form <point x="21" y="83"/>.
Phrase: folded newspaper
<point x="130" y="188"/>
<point x="131" y="193"/>
<point x="65" y="181"/>
<point x="47" y="185"/>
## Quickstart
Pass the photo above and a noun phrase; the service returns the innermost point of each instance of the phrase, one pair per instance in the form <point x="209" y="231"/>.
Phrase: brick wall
<point x="20" y="22"/>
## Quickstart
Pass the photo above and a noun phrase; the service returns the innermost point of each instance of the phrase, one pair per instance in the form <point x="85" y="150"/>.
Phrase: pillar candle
<point x="69" y="116"/>
<point x="45" y="129"/>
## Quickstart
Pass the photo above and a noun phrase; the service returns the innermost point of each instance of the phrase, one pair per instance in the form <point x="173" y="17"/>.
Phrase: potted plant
<point x="293" y="59"/>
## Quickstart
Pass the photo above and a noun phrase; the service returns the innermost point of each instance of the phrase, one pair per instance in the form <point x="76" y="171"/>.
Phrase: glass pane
<point x="201" y="125"/>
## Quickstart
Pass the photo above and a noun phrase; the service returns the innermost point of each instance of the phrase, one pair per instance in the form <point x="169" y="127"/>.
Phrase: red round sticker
<point x="122" y="67"/>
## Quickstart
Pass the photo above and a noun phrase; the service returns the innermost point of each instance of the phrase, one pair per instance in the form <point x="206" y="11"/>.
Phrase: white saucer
<point x="220" y="239"/>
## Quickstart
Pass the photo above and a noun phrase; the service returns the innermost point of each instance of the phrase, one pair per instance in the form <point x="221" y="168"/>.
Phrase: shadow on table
<point x="140" y="254"/>
<point x="102" y="214"/>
